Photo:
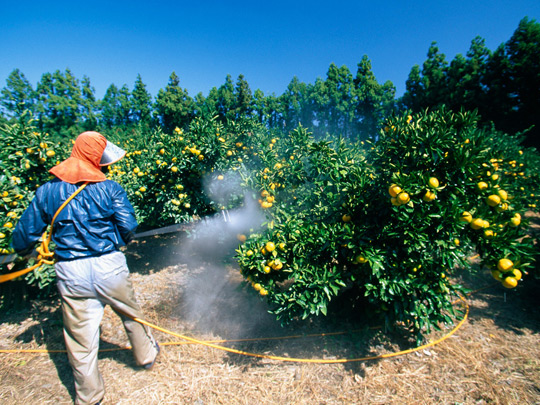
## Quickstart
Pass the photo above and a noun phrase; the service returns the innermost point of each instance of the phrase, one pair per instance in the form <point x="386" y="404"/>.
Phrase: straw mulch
<point x="493" y="358"/>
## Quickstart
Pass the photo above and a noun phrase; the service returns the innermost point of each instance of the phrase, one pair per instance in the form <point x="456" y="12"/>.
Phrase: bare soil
<point x="196" y="291"/>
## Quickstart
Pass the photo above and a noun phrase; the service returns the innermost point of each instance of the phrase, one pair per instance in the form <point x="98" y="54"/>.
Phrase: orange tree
<point x="391" y="223"/>
<point x="25" y="158"/>
<point x="168" y="176"/>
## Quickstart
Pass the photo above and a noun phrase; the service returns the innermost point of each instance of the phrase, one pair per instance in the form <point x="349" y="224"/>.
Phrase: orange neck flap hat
<point x="90" y="151"/>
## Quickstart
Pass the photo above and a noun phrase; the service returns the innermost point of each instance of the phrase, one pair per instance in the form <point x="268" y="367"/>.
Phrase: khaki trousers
<point x="86" y="286"/>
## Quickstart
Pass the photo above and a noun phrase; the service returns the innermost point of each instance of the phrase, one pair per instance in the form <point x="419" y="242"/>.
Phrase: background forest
<point x="502" y="85"/>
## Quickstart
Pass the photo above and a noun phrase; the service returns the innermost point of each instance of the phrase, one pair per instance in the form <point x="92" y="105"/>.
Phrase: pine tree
<point x="18" y="96"/>
<point x="173" y="107"/>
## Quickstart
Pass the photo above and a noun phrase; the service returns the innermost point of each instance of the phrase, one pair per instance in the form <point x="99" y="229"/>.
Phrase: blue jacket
<point x="98" y="220"/>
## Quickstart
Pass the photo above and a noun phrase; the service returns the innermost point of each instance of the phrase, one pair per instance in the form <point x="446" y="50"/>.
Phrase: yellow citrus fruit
<point x="249" y="253"/>
<point x="142" y="189"/>
<point x="429" y="196"/>
<point x="263" y="292"/>
<point x="503" y="194"/>
<point x="220" y="177"/>
<point x="466" y="217"/>
<point x="361" y="259"/>
<point x="277" y="265"/>
<point x="510" y="282"/>
<point x="477" y="223"/>
<point x="346" y="218"/>
<point x="403" y="198"/>
<point x="493" y="200"/>
<point x="456" y="242"/>
<point x="488" y="233"/>
<point x="433" y="182"/>
<point x="267" y="269"/>
<point x="517" y="274"/>
<point x="505" y="265"/>
<point x="515" y="221"/>
<point x="270" y="246"/>
<point x="502" y="207"/>
<point x="257" y="286"/>
<point x="282" y="246"/>
<point x="2" y="235"/>
<point x="162" y="151"/>
<point x="482" y="185"/>
<point x="394" y="190"/>
<point x="496" y="274"/>
<point x="50" y="153"/>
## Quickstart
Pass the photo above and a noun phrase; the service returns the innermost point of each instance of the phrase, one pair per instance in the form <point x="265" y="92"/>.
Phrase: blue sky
<point x="268" y="42"/>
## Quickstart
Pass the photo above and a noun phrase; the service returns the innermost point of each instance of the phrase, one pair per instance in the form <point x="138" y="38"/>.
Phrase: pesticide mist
<point x="212" y="300"/>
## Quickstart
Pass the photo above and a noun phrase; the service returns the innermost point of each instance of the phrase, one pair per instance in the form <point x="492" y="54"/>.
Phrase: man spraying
<point x="90" y="269"/>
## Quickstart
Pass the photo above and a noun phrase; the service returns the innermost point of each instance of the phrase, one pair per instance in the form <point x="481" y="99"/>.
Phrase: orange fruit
<point x="517" y="274"/>
<point x="403" y="198"/>
<point x="433" y="182"/>
<point x="270" y="246"/>
<point x="510" y="282"/>
<point x="482" y="185"/>
<point x="429" y="196"/>
<point x="503" y="194"/>
<point x="493" y="200"/>
<point x="394" y="190"/>
<point x="360" y="259"/>
<point x="515" y="221"/>
<point x="496" y="274"/>
<point x="505" y="265"/>
<point x="477" y="223"/>
<point x="346" y="218"/>
<point x="277" y="265"/>
<point x="466" y="217"/>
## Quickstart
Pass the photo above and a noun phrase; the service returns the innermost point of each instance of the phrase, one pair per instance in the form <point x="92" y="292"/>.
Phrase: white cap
<point x="111" y="154"/>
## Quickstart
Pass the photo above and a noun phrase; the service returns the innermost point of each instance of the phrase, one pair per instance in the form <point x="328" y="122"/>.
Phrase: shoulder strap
<point x="45" y="255"/>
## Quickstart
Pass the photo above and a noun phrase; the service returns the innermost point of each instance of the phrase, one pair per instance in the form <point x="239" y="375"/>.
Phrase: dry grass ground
<point x="494" y="358"/>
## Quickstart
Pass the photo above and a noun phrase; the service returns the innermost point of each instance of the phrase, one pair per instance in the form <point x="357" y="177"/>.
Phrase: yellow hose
<point x="271" y="357"/>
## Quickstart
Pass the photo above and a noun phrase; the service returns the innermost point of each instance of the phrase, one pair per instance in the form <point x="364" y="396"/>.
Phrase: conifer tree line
<point x="503" y="85"/>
